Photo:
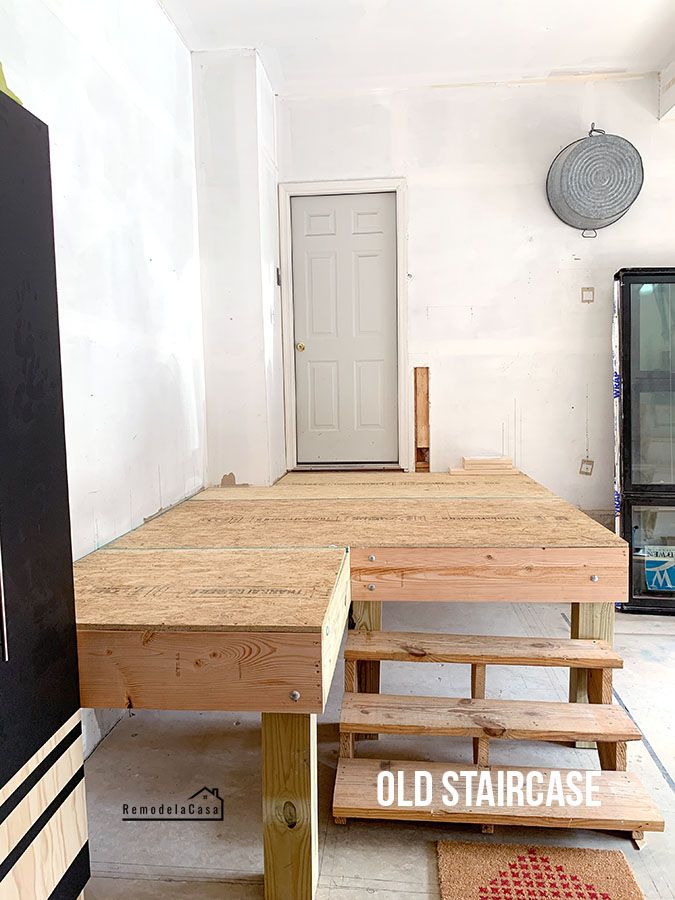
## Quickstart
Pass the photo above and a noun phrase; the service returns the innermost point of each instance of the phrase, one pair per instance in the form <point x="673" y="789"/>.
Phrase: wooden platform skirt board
<point x="226" y="630"/>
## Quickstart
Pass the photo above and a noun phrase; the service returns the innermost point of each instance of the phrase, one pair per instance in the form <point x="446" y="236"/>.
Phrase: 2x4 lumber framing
<point x="290" y="806"/>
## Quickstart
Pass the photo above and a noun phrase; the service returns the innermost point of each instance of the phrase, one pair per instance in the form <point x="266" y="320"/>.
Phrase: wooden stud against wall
<point x="422" y="442"/>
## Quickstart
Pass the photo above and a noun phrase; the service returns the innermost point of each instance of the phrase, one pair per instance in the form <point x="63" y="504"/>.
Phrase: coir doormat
<point x="470" y="871"/>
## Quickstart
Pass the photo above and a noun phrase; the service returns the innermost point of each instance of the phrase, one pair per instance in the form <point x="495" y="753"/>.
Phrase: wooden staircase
<point x="625" y="806"/>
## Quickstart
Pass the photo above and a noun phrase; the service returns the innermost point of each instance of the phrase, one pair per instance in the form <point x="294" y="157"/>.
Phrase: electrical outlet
<point x="587" y="295"/>
<point x="586" y="467"/>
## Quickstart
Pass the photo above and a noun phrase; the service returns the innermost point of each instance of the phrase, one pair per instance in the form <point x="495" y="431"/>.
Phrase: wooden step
<point x="625" y="805"/>
<point x="501" y="719"/>
<point x="409" y="646"/>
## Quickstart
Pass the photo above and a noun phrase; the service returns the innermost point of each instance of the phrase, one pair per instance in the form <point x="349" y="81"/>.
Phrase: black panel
<point x="38" y="684"/>
<point x="73" y="882"/>
<point x="647" y="509"/>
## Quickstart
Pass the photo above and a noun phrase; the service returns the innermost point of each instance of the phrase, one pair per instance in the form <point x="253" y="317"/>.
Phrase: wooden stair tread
<point x="505" y="719"/>
<point x="625" y="805"/>
<point x="411" y="646"/>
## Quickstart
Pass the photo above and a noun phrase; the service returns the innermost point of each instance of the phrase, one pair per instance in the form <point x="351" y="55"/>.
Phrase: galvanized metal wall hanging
<point x="594" y="181"/>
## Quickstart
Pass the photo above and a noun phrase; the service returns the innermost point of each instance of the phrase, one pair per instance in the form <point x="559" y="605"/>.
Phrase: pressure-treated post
<point x="290" y="806"/>
<point x="590" y="621"/>
<point x="367" y="616"/>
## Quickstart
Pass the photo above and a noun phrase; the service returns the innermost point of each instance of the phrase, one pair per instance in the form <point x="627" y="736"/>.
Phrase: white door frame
<point x="356" y="186"/>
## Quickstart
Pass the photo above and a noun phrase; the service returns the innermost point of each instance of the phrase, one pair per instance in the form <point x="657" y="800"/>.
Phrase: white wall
<point x="236" y="176"/>
<point x="518" y="364"/>
<point x="112" y="80"/>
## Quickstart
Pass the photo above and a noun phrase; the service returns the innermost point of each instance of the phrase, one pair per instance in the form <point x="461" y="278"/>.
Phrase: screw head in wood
<point x="371" y="587"/>
<point x="594" y="578"/>
<point x="295" y="696"/>
<point x="371" y="558"/>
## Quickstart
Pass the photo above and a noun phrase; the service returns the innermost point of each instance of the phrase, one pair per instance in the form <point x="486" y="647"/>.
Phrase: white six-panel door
<point x="345" y="327"/>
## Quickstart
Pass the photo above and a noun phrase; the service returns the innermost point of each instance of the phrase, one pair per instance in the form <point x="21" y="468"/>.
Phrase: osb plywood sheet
<point x="409" y="487"/>
<point x="371" y="524"/>
<point x="206" y="590"/>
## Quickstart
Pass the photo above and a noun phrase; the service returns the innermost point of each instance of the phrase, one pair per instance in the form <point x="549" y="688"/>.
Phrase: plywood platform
<point x="202" y="629"/>
<point x="383" y="485"/>
<point x="428" y="522"/>
<point x="207" y="590"/>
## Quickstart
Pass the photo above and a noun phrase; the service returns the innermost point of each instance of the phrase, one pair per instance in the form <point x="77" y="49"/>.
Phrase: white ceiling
<point x="310" y="45"/>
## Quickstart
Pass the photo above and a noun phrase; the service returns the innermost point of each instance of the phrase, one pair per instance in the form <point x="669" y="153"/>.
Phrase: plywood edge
<point x="334" y="624"/>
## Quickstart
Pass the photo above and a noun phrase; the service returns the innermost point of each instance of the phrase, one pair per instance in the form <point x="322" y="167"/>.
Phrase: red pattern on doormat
<point x="533" y="877"/>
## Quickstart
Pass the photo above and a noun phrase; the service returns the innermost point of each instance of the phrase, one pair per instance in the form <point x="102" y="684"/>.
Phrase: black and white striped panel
<point x="43" y="831"/>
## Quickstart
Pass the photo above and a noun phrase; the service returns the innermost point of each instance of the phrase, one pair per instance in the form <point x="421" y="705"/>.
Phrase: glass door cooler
<point x="644" y="396"/>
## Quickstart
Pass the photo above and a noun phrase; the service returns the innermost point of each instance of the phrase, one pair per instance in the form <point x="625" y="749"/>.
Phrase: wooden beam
<point x="422" y="431"/>
<point x="517" y="575"/>
<point x="201" y="670"/>
<point x="290" y="807"/>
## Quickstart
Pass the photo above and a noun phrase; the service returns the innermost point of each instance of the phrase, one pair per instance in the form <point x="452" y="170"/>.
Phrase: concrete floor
<point x="163" y="755"/>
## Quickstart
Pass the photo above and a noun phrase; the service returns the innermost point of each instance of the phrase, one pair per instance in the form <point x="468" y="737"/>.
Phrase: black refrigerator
<point x="644" y="398"/>
<point x="43" y="828"/>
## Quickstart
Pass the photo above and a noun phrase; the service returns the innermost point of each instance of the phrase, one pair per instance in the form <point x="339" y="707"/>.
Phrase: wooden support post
<point x="638" y="839"/>
<point x="487" y="829"/>
<point x="481" y="752"/>
<point x="477" y="681"/>
<point x="367" y="615"/>
<point x="347" y="744"/>
<point x="599" y="684"/>
<point x="351" y="685"/>
<point x="613" y="756"/>
<point x="589" y="621"/>
<point x="481" y="746"/>
<point x="290" y="807"/>
<point x="422" y="442"/>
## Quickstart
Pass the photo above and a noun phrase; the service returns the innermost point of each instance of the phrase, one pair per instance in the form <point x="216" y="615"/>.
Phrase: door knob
<point x="300" y="346"/>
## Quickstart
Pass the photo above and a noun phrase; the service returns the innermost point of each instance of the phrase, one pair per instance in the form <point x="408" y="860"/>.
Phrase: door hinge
<point x="278" y="277"/>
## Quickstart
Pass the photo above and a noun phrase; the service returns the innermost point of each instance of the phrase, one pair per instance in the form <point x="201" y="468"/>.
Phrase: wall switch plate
<point x="587" y="294"/>
<point x="586" y="467"/>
